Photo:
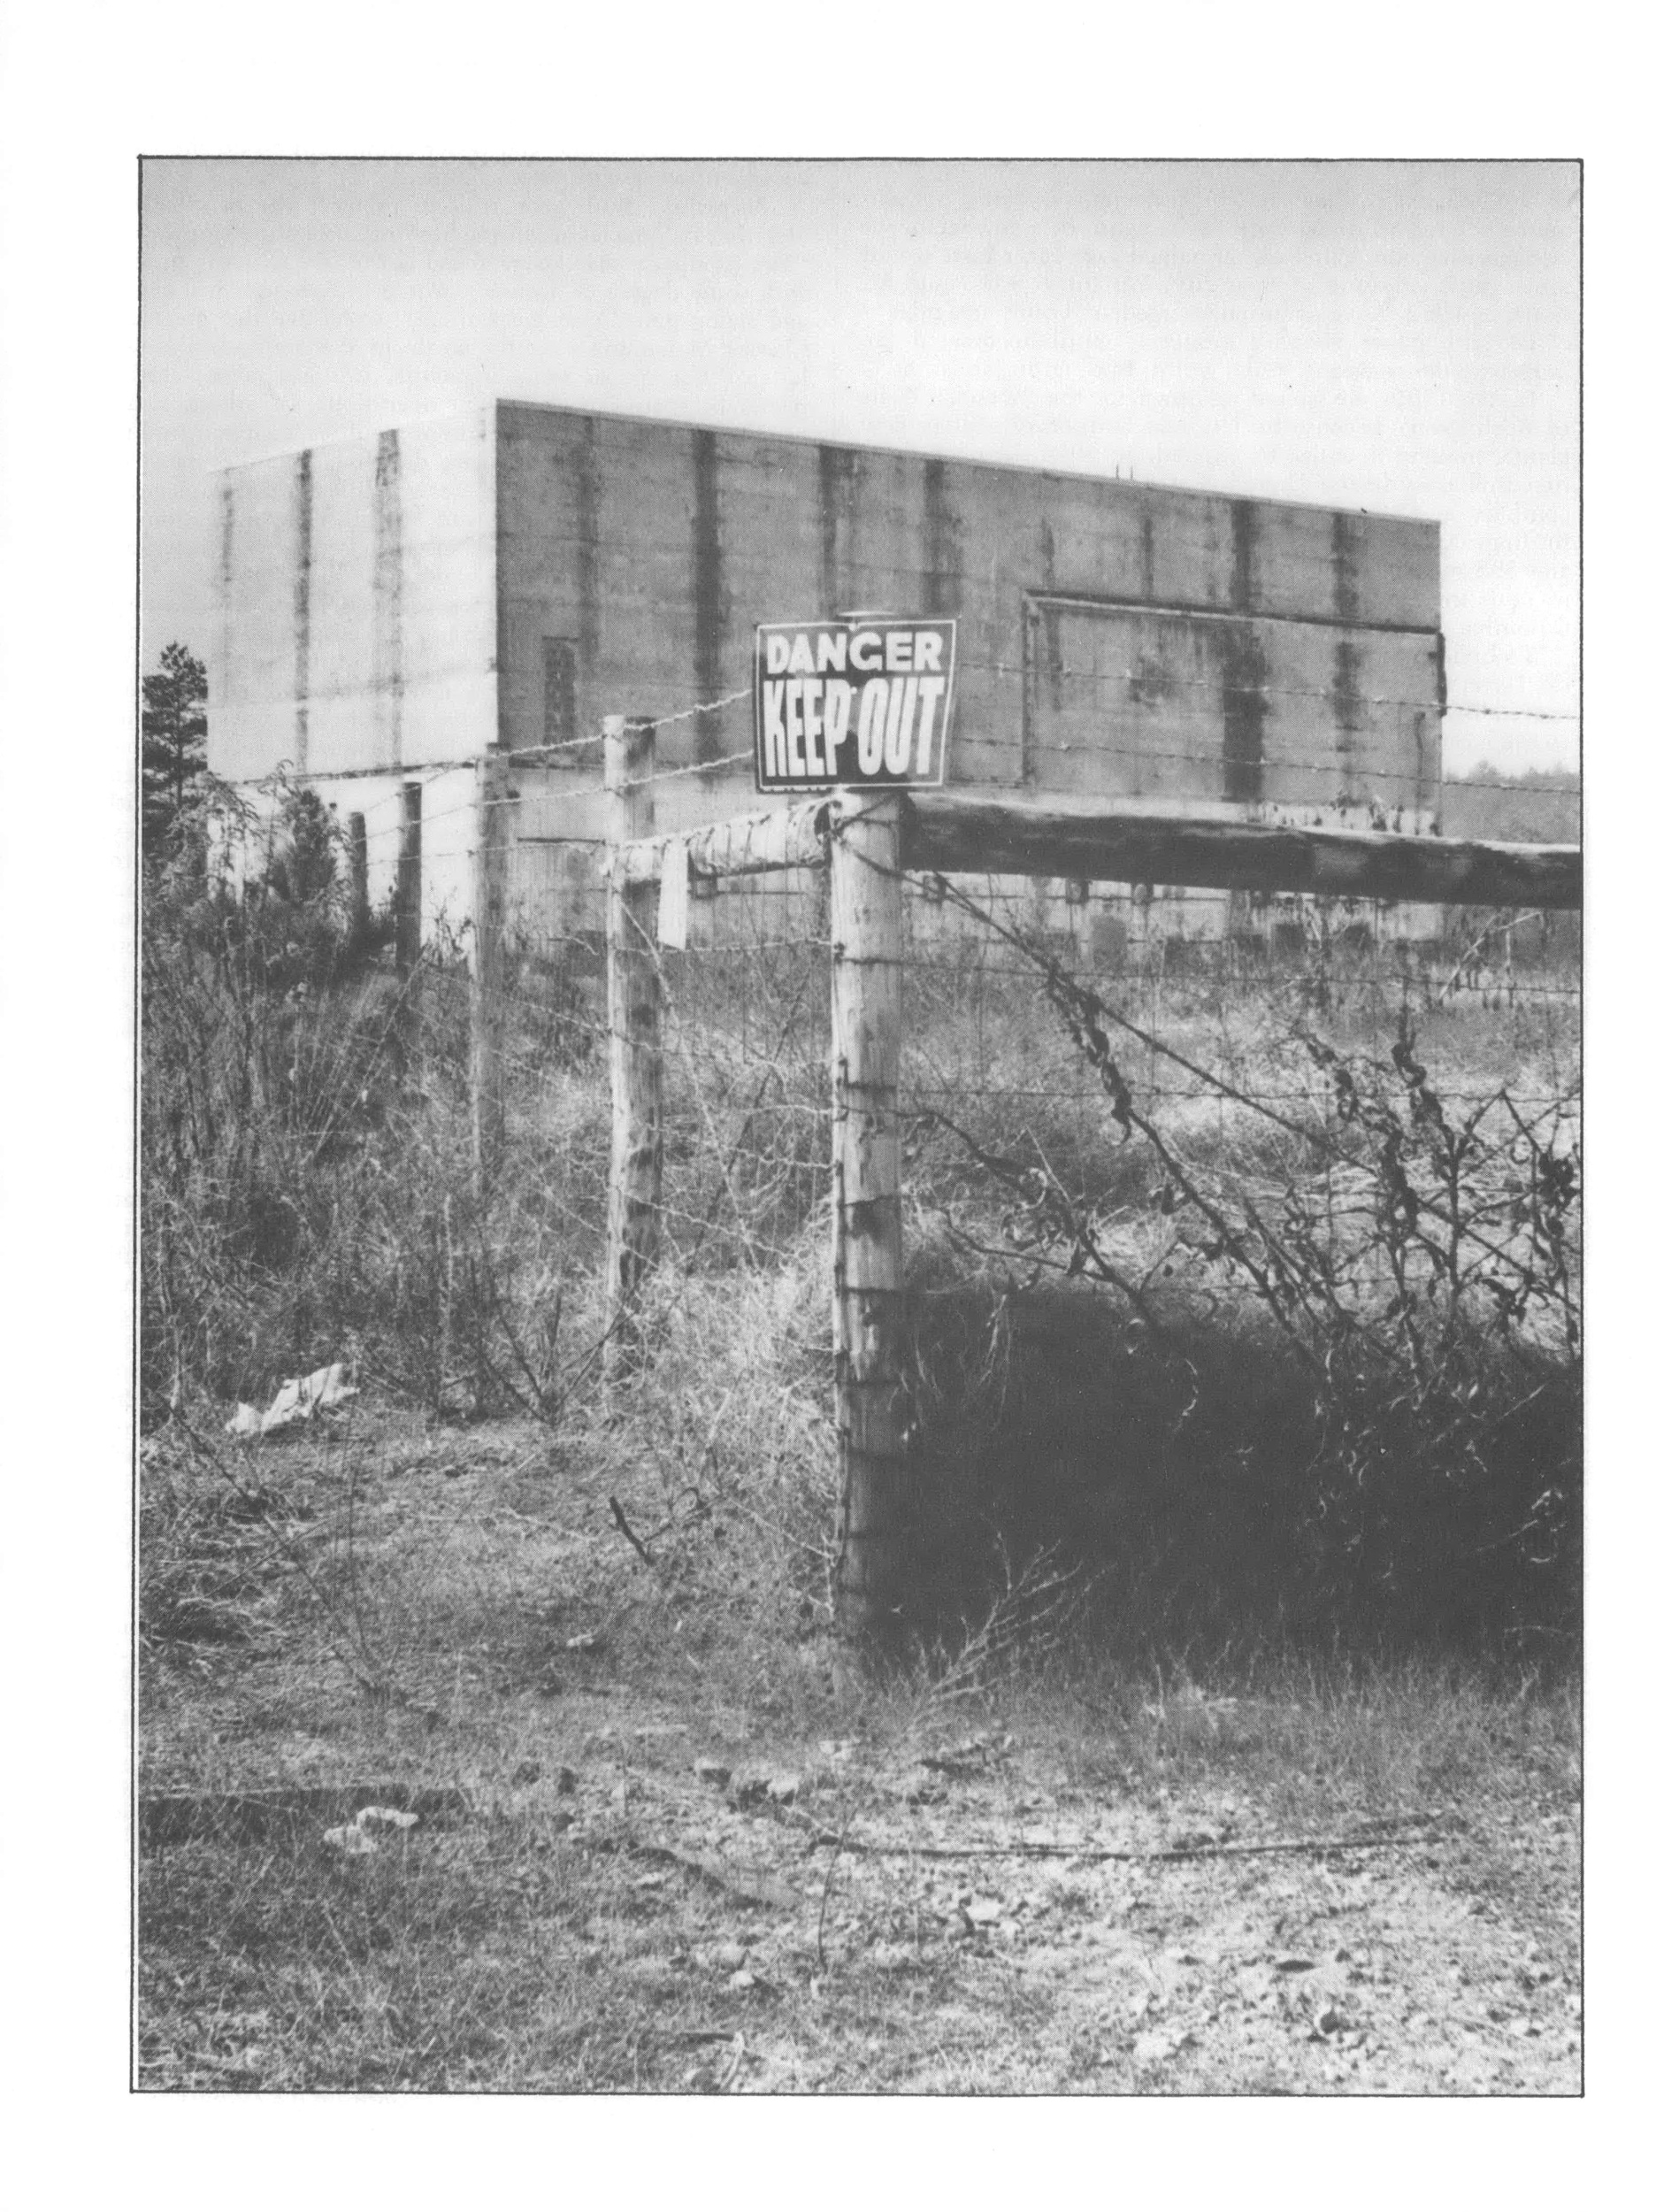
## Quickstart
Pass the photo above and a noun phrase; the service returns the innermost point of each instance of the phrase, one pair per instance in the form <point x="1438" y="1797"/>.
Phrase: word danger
<point x="838" y="702"/>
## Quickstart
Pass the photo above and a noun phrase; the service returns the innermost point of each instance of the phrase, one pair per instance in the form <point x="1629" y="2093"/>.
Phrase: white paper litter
<point x="386" y="1816"/>
<point x="354" y="1841"/>
<point x="296" y="1400"/>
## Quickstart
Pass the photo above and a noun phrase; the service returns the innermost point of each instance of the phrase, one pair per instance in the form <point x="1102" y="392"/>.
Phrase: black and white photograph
<point x="802" y="821"/>
<point x="860" y="1127"/>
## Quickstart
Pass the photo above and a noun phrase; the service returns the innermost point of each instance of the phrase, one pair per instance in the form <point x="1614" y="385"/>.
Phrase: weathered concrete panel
<point x="521" y="571"/>
<point x="250" y="679"/>
<point x="356" y="603"/>
<point x="1225" y="707"/>
<point x="657" y="547"/>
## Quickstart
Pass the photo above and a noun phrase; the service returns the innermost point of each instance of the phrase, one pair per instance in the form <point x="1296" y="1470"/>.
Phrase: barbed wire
<point x="1023" y="746"/>
<point x="272" y="785"/>
<point x="1037" y="671"/>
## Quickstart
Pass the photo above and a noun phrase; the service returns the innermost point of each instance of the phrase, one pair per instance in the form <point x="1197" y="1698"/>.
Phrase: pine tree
<point x="174" y="740"/>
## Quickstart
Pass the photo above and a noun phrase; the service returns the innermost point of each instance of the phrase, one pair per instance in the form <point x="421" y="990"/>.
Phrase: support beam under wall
<point x="966" y="830"/>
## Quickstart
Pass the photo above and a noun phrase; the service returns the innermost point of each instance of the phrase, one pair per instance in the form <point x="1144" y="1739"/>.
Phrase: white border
<point x="88" y="85"/>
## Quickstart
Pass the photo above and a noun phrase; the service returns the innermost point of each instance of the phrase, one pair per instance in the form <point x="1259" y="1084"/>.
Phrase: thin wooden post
<point x="866" y="927"/>
<point x="359" y="843"/>
<point x="635" y="1043"/>
<point x="490" y="865"/>
<point x="408" y="883"/>
<point x="409" y="905"/>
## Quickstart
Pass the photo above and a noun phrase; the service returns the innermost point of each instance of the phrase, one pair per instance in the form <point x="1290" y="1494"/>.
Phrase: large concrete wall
<point x="1115" y="638"/>
<point x="395" y="601"/>
<point x="357" y="604"/>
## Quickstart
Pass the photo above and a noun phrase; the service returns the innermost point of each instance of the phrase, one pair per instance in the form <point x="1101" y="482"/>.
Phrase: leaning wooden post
<point x="866" y="928"/>
<point x="635" y="1043"/>
<point x="490" y="861"/>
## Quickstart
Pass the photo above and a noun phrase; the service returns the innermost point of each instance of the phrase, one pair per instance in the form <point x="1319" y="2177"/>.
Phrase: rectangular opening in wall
<point x="558" y="666"/>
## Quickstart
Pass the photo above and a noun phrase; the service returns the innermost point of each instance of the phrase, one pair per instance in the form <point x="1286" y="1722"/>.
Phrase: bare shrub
<point x="1396" y="1258"/>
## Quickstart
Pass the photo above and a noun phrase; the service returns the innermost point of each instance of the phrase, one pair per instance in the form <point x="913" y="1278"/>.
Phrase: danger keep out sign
<point x="851" y="702"/>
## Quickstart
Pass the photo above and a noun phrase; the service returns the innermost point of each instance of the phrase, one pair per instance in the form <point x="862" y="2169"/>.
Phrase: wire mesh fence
<point x="1351" y="1125"/>
<point x="1305" y="1142"/>
<point x="1044" y="1054"/>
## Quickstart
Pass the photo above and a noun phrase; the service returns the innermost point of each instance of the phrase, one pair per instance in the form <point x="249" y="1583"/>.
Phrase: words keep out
<point x="886" y="699"/>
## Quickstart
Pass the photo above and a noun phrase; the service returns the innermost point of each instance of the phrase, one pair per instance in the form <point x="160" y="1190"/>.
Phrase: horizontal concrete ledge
<point x="1088" y="840"/>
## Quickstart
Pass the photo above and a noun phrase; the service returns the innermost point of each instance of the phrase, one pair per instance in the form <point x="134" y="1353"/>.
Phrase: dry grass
<point x="558" y="1932"/>
<point x="1135" y="1614"/>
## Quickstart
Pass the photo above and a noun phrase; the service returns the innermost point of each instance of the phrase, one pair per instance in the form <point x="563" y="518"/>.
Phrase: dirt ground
<point x="659" y="1848"/>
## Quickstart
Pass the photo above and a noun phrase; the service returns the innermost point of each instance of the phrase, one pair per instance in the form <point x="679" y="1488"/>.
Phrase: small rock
<point x="386" y="1816"/>
<point x="923" y="1789"/>
<point x="741" y="1979"/>
<point x="354" y="1841"/>
<point x="1326" y="2019"/>
<point x="713" y="1771"/>
<point x="981" y="1912"/>
<point x="1157" y="2043"/>
<point x="590" y="1642"/>
<point x="728" y="1957"/>
<point x="782" y="1789"/>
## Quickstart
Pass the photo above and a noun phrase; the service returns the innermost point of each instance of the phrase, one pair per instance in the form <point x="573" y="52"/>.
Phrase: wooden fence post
<point x="407" y="882"/>
<point x="866" y="916"/>
<point x="408" y="910"/>
<point x="358" y="842"/>
<point x="490" y="864"/>
<point x="635" y="1043"/>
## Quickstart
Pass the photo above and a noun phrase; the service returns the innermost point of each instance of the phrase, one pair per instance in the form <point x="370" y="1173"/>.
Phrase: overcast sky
<point x="1402" y="337"/>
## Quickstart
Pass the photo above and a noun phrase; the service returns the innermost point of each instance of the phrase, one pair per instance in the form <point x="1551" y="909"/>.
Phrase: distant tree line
<point x="1541" y="807"/>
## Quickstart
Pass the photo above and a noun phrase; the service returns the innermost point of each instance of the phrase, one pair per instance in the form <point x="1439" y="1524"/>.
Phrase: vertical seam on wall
<point x="226" y="572"/>
<point x="387" y="595"/>
<point x="492" y="421"/>
<point x="707" y="581"/>
<point x="303" y="501"/>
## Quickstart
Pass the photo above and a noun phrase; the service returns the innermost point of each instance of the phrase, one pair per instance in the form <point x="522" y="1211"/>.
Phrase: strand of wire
<point x="1232" y="689"/>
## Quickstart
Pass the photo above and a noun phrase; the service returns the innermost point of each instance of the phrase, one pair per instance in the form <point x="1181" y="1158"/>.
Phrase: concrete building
<point x="509" y="576"/>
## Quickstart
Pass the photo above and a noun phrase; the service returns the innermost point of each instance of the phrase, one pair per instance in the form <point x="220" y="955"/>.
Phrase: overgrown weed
<point x="1244" y="1327"/>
